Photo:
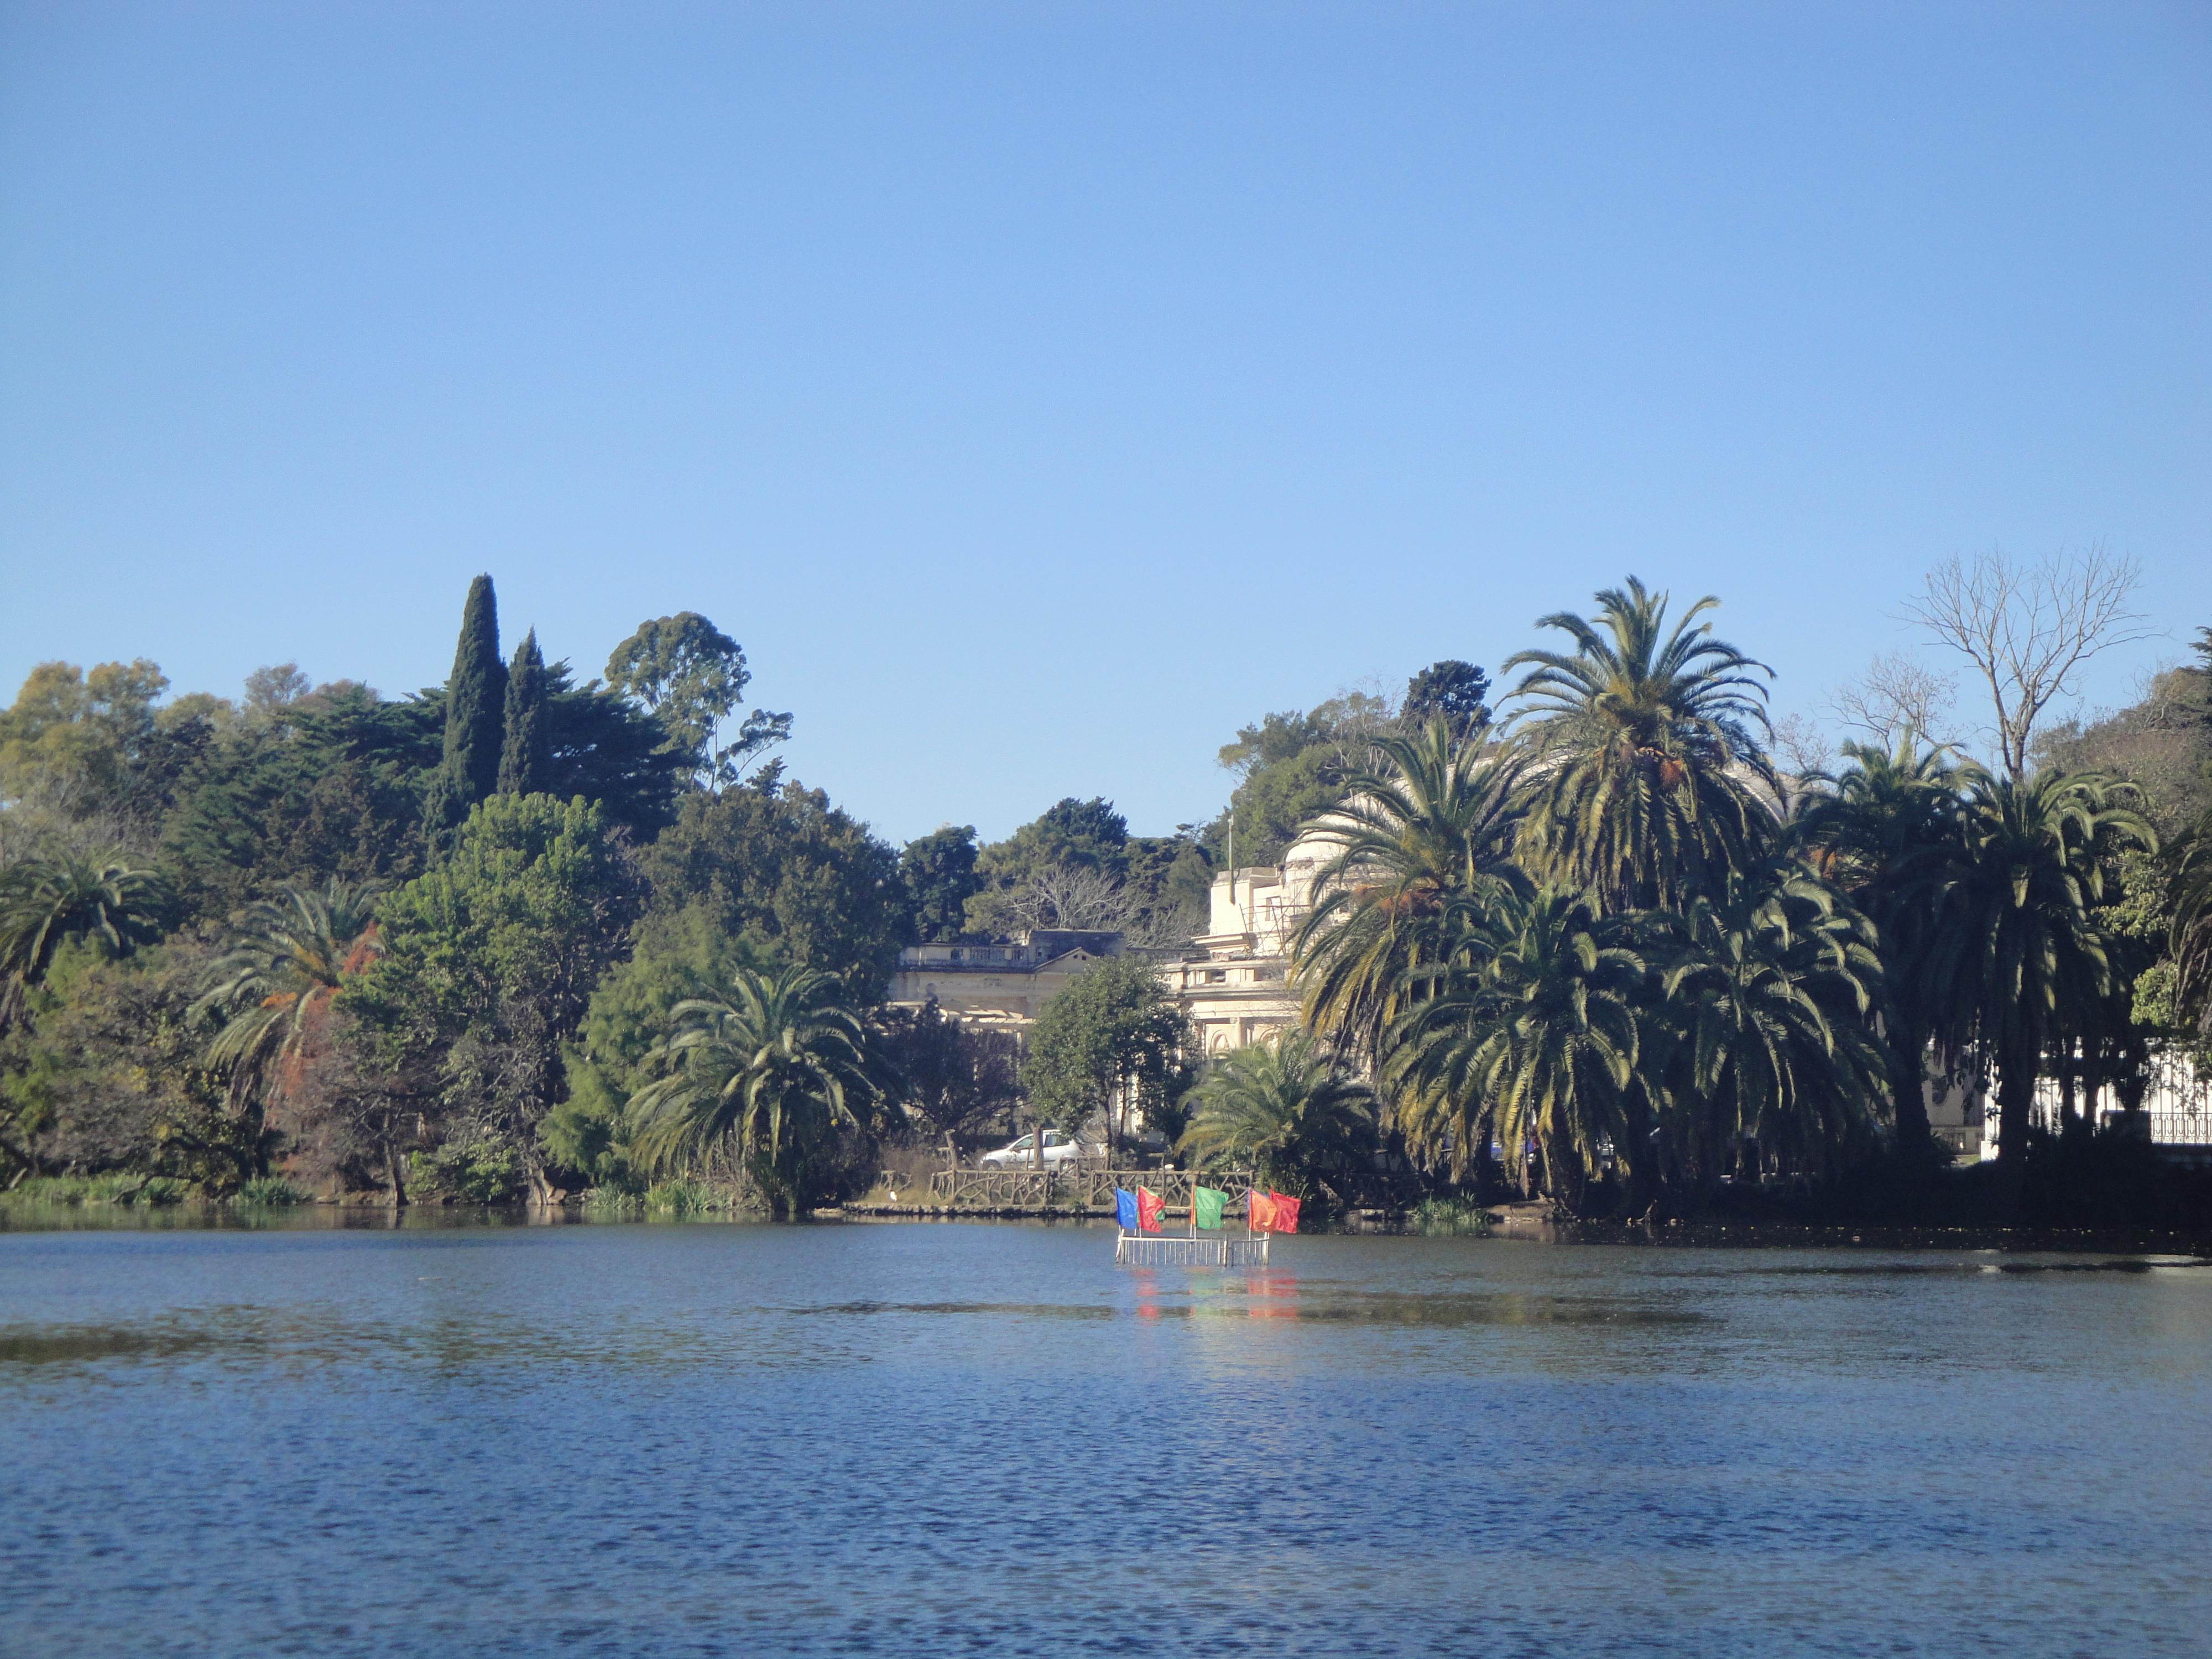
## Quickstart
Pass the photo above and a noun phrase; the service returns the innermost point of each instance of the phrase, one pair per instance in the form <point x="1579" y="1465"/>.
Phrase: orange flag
<point x="1258" y="1212"/>
<point x="1286" y="1217"/>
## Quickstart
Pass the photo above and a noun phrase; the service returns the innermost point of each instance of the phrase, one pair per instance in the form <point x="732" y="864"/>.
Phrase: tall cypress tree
<point x="522" y="756"/>
<point x="475" y="717"/>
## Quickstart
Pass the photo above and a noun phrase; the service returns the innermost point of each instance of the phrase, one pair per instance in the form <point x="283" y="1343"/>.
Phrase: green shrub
<point x="160" y="1191"/>
<point x="664" y="1200"/>
<point x="474" y="1171"/>
<point x="269" y="1192"/>
<point x="1450" y="1217"/>
<point x="681" y="1198"/>
<point x="36" y="1192"/>
<point x="116" y="1187"/>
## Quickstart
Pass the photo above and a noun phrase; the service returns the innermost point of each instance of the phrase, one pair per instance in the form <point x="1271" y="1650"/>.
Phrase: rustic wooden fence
<point x="1076" y="1188"/>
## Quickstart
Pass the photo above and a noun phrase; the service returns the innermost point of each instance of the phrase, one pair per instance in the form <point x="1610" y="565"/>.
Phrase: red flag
<point x="1286" y="1217"/>
<point x="1149" y="1205"/>
<point x="1258" y="1212"/>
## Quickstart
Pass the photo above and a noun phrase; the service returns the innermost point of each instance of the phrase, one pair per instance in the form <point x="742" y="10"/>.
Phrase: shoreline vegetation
<point x="74" y="1206"/>
<point x="1601" y="944"/>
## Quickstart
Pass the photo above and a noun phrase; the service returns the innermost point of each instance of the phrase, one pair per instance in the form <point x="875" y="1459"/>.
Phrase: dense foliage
<point x="386" y="926"/>
<point x="1603" y="955"/>
<point x="765" y="1067"/>
<point x="1115" y="1048"/>
<point x="1289" y="1112"/>
<point x="517" y="935"/>
<point x="1077" y="865"/>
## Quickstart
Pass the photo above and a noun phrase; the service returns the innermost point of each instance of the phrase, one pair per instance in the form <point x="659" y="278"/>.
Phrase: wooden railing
<point x="1076" y="1188"/>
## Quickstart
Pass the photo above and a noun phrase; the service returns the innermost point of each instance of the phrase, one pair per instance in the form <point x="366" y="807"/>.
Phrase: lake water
<point x="948" y="1439"/>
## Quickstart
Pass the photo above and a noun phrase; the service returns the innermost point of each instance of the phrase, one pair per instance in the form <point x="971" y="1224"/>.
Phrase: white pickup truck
<point x="1058" y="1149"/>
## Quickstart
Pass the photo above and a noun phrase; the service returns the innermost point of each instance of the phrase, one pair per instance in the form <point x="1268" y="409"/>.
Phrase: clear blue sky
<point x="1040" y="391"/>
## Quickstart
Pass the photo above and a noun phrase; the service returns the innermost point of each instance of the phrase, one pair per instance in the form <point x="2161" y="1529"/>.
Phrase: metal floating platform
<point x="1173" y="1250"/>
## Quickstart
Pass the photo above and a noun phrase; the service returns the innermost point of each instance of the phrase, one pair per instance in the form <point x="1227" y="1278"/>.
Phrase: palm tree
<point x="108" y="900"/>
<point x="1763" y="1030"/>
<point x="1288" y="1106"/>
<point x="1650" y="756"/>
<point x="1432" y="817"/>
<point x="2191" y="937"/>
<point x="1530" y="1035"/>
<point x="2016" y="952"/>
<point x="768" y="1066"/>
<point x="1890" y="836"/>
<point x="275" y="980"/>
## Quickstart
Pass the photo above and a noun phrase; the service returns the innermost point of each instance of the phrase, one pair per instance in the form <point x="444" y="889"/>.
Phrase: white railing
<point x="2176" y="1101"/>
<point x="1171" y="1251"/>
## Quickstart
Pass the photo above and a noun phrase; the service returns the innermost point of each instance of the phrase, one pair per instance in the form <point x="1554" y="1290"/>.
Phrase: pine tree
<point x="522" y="757"/>
<point x="475" y="706"/>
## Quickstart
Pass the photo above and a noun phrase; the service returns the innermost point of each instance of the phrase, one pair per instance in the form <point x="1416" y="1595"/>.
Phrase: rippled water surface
<point x="929" y="1438"/>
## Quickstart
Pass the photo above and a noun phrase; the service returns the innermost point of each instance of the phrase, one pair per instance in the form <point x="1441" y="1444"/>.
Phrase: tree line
<point x="1615" y="941"/>
<point x="1612" y="951"/>
<point x="430" y="943"/>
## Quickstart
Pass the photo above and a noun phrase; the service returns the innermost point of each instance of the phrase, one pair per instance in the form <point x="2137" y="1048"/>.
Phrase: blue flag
<point x="1124" y="1210"/>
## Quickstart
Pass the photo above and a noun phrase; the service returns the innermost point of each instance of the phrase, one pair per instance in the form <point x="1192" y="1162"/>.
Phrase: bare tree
<point x="1072" y="896"/>
<point x="1356" y="716"/>
<point x="1897" y="697"/>
<point x="2028" y="627"/>
<point x="1804" y="749"/>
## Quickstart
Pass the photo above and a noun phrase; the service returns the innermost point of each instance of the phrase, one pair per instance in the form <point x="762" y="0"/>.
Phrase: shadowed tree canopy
<point x="526" y="749"/>
<point x="336" y="790"/>
<point x="1887" y="833"/>
<point x="609" y="751"/>
<point x="2019" y="958"/>
<point x="1457" y="692"/>
<point x="940" y="872"/>
<point x="476" y="716"/>
<point x="1070" y="835"/>
<point x="951" y="1074"/>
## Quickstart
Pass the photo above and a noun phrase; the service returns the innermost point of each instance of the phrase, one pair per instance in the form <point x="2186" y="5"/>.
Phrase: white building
<point x="1232" y="984"/>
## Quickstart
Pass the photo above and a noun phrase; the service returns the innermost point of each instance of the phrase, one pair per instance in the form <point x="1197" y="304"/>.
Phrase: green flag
<point x="1208" y="1204"/>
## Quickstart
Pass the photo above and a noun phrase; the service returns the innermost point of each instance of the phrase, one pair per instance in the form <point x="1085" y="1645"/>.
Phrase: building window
<point x="1217" y="976"/>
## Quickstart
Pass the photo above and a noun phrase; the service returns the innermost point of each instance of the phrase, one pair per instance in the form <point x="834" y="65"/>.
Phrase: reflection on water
<point x="1278" y="1298"/>
<point x="921" y="1439"/>
<point x="57" y="1344"/>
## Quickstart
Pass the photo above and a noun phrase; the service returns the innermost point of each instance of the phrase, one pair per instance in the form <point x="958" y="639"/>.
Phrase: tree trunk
<point x="395" y="1167"/>
<point x="542" y="1195"/>
<point x="1908" y="1055"/>
<point x="1640" y="1191"/>
<point x="24" y="1161"/>
<point x="2016" y="1105"/>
